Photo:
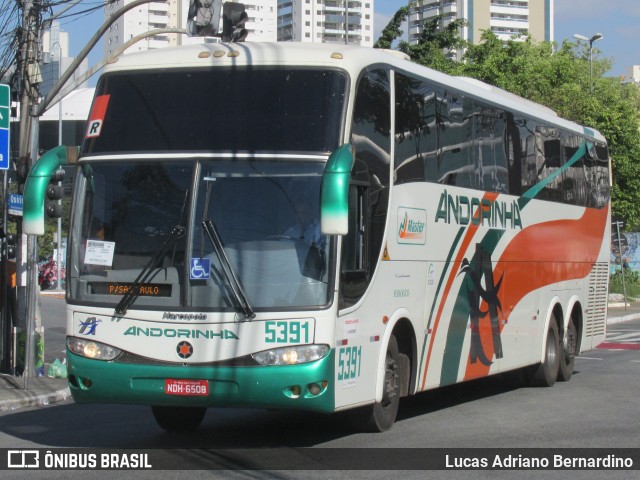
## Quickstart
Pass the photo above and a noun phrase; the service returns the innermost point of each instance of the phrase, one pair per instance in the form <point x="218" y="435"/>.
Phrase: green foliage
<point x="436" y="42"/>
<point x="392" y="31"/>
<point x="631" y="282"/>
<point x="556" y="76"/>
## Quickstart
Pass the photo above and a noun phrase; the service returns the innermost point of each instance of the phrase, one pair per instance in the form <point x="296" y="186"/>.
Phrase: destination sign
<point x="118" y="288"/>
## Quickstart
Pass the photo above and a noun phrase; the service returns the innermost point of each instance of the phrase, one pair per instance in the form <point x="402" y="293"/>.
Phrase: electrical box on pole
<point x="203" y="18"/>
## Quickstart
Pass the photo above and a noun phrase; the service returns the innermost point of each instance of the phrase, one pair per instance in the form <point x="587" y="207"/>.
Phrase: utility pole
<point x="31" y="108"/>
<point x="29" y="75"/>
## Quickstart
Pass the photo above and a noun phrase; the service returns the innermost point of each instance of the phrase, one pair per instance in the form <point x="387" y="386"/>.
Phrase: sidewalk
<point x="617" y="312"/>
<point x="41" y="391"/>
<point x="45" y="391"/>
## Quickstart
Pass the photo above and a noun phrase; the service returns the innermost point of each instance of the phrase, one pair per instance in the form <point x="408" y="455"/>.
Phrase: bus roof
<point x="348" y="57"/>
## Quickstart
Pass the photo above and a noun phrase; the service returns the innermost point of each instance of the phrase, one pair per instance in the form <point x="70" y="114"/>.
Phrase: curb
<point x="623" y="318"/>
<point x="49" y="392"/>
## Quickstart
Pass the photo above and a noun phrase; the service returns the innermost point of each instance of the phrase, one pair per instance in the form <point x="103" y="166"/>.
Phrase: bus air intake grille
<point x="597" y="301"/>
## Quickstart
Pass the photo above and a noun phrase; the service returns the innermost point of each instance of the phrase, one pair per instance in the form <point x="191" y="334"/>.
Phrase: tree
<point x="557" y="77"/>
<point x="561" y="81"/>
<point x="435" y="45"/>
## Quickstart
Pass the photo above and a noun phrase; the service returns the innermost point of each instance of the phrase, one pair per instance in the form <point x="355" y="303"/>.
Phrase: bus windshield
<point x="261" y="109"/>
<point x="265" y="212"/>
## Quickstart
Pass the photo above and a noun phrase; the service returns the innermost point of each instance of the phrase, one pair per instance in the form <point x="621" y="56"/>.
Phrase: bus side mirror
<point x="334" y="196"/>
<point x="35" y="188"/>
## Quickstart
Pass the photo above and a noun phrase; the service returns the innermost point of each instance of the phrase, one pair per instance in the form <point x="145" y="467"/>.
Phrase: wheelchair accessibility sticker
<point x="200" y="268"/>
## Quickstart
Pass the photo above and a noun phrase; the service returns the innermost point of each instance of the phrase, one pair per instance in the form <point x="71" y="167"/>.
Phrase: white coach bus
<point x="323" y="228"/>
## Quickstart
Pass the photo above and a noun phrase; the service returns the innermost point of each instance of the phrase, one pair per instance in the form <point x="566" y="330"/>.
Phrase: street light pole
<point x="59" y="234"/>
<point x="595" y="38"/>
<point x="30" y="111"/>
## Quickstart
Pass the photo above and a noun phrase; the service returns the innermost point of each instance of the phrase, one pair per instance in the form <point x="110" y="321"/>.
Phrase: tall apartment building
<point x="326" y="21"/>
<point x="173" y="14"/>
<point x="505" y="18"/>
<point x="56" y="59"/>
<point x="632" y="75"/>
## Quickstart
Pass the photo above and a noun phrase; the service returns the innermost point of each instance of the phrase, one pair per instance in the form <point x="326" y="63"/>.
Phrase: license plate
<point x="187" y="388"/>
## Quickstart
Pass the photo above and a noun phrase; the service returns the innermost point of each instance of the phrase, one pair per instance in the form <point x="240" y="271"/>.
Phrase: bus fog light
<point x="92" y="349"/>
<point x="316" y="388"/>
<point x="291" y="355"/>
<point x="293" y="391"/>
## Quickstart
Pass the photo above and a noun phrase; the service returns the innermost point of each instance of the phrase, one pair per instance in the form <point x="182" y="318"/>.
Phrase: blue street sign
<point x="5" y="104"/>
<point x="15" y="204"/>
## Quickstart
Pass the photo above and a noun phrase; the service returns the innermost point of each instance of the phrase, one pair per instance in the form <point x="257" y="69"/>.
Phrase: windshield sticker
<point x="99" y="252"/>
<point x="200" y="268"/>
<point x="98" y="111"/>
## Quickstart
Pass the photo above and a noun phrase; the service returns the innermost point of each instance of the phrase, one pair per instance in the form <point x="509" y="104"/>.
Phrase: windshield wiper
<point x="242" y="302"/>
<point x="145" y="274"/>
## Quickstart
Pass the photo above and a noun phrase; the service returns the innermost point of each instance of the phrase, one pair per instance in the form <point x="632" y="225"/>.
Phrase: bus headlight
<point x="92" y="349"/>
<point x="291" y="355"/>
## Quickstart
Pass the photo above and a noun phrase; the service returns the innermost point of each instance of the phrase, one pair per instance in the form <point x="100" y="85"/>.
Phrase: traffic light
<point x="52" y="208"/>
<point x="11" y="246"/>
<point x="233" y="19"/>
<point x="204" y="18"/>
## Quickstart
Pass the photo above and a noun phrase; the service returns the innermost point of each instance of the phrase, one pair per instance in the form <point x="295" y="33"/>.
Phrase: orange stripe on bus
<point x="553" y="252"/>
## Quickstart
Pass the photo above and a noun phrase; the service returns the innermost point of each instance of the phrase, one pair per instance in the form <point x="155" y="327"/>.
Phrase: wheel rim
<point x="391" y="381"/>
<point x="552" y="351"/>
<point x="571" y="345"/>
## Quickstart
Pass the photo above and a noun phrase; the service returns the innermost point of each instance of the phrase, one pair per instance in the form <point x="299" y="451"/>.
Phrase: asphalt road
<point x="598" y="408"/>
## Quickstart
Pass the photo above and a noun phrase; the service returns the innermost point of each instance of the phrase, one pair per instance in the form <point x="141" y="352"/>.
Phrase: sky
<point x="617" y="20"/>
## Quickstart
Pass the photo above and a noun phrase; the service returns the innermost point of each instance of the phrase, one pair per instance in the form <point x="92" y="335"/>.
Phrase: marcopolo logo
<point x="412" y="226"/>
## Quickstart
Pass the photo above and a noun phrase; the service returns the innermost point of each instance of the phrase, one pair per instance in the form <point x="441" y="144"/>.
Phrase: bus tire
<point x="178" y="419"/>
<point x="379" y="417"/>
<point x="568" y="355"/>
<point x="546" y="373"/>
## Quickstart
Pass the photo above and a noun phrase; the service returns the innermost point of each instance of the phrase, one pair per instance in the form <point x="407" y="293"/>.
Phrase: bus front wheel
<point x="178" y="419"/>
<point x="379" y="417"/>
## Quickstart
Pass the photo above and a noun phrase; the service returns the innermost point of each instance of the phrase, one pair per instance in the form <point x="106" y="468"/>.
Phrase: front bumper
<point x="282" y="387"/>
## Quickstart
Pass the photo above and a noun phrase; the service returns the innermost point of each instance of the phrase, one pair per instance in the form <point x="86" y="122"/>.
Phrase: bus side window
<point x="455" y="145"/>
<point x="597" y="171"/>
<point x="489" y="155"/>
<point x="415" y="131"/>
<point x="355" y="255"/>
<point x="371" y="138"/>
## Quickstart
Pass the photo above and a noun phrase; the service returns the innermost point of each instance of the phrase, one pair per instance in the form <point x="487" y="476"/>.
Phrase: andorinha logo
<point x="181" y="333"/>
<point x="412" y="225"/>
<point x="476" y="211"/>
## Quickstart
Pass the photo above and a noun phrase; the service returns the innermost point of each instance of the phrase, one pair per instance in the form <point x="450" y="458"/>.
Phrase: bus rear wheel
<point x="546" y="373"/>
<point x="379" y="417"/>
<point x="569" y="351"/>
<point x="178" y="419"/>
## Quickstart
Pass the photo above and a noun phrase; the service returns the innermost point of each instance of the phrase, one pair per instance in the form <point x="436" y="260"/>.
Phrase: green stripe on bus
<point x="537" y="188"/>
<point x="459" y="319"/>
<point x="447" y="262"/>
